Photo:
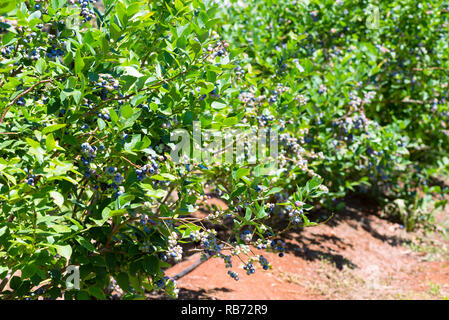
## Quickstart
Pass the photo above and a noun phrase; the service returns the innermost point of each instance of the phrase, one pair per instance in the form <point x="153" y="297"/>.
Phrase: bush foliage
<point x="90" y="93"/>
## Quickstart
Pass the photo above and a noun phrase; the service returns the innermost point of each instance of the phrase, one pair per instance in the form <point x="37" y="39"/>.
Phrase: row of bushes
<point x="91" y="92"/>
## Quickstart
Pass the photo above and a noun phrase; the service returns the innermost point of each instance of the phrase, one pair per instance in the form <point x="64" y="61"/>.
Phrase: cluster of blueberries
<point x="379" y="170"/>
<point x="161" y="282"/>
<point x="112" y="171"/>
<point x="31" y="179"/>
<point x="295" y="215"/>
<point x="88" y="103"/>
<point x="20" y="102"/>
<point x="54" y="52"/>
<point x="370" y="151"/>
<point x="4" y="27"/>
<point x="105" y="84"/>
<point x="278" y="246"/>
<point x="86" y="13"/>
<point x="403" y="142"/>
<point x="104" y="115"/>
<point x="270" y="208"/>
<point x="274" y="97"/>
<point x="219" y="49"/>
<point x="29" y="37"/>
<point x="213" y="94"/>
<point x="144" y="221"/>
<point x="239" y="72"/>
<point x="262" y="244"/>
<point x="208" y="242"/>
<point x="227" y="261"/>
<point x="89" y="153"/>
<point x="162" y="256"/>
<point x="264" y="120"/>
<point x="7" y="50"/>
<point x="151" y="168"/>
<point x="89" y="172"/>
<point x="289" y="142"/>
<point x="322" y="89"/>
<point x="210" y="245"/>
<point x="34" y="55"/>
<point x="281" y="65"/>
<point x="264" y="262"/>
<point x="249" y="267"/>
<point x="246" y="236"/>
<point x="314" y="15"/>
<point x="346" y="126"/>
<point x="175" y="252"/>
<point x="233" y="275"/>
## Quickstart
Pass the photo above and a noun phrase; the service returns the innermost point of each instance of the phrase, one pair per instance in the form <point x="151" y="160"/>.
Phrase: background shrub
<point x="86" y="174"/>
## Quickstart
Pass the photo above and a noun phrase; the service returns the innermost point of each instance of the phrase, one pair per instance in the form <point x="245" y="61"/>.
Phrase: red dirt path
<point x="359" y="256"/>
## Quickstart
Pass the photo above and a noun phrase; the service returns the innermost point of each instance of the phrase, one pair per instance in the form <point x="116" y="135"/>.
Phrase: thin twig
<point x="21" y="95"/>
<point x="134" y="165"/>
<point x="154" y="86"/>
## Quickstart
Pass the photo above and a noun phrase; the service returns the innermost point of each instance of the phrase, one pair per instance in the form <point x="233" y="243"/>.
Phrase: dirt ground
<point x="356" y="255"/>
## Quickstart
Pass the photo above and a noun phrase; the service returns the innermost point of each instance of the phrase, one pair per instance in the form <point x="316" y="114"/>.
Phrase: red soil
<point x="359" y="256"/>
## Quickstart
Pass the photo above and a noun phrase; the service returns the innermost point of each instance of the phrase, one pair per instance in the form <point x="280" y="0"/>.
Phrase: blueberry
<point x="118" y="178"/>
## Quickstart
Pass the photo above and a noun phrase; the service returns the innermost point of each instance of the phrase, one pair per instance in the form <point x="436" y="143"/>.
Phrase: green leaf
<point x="315" y="182"/>
<point x="113" y="115"/>
<point x="86" y="244"/>
<point x="241" y="172"/>
<point x="57" y="197"/>
<point x="123" y="280"/>
<point x="218" y="105"/>
<point x="50" y="142"/>
<point x="7" y="6"/>
<point x="64" y="251"/>
<point x="61" y="228"/>
<point x="3" y="231"/>
<point x="160" y="193"/>
<point x="52" y="128"/>
<point x="126" y="111"/>
<point x="248" y="214"/>
<point x="151" y="264"/>
<point x="238" y="191"/>
<point x="97" y="293"/>
<point x="79" y="62"/>
<point x="131" y="71"/>
<point x="67" y="178"/>
<point x="41" y="66"/>
<point x="274" y="190"/>
<point x="261" y="212"/>
<point x="230" y="121"/>
<point x="101" y="124"/>
<point x="77" y="96"/>
<point x="33" y="143"/>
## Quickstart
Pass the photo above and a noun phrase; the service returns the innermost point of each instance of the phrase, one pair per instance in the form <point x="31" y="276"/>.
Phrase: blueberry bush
<point x="90" y="93"/>
<point x="366" y="89"/>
